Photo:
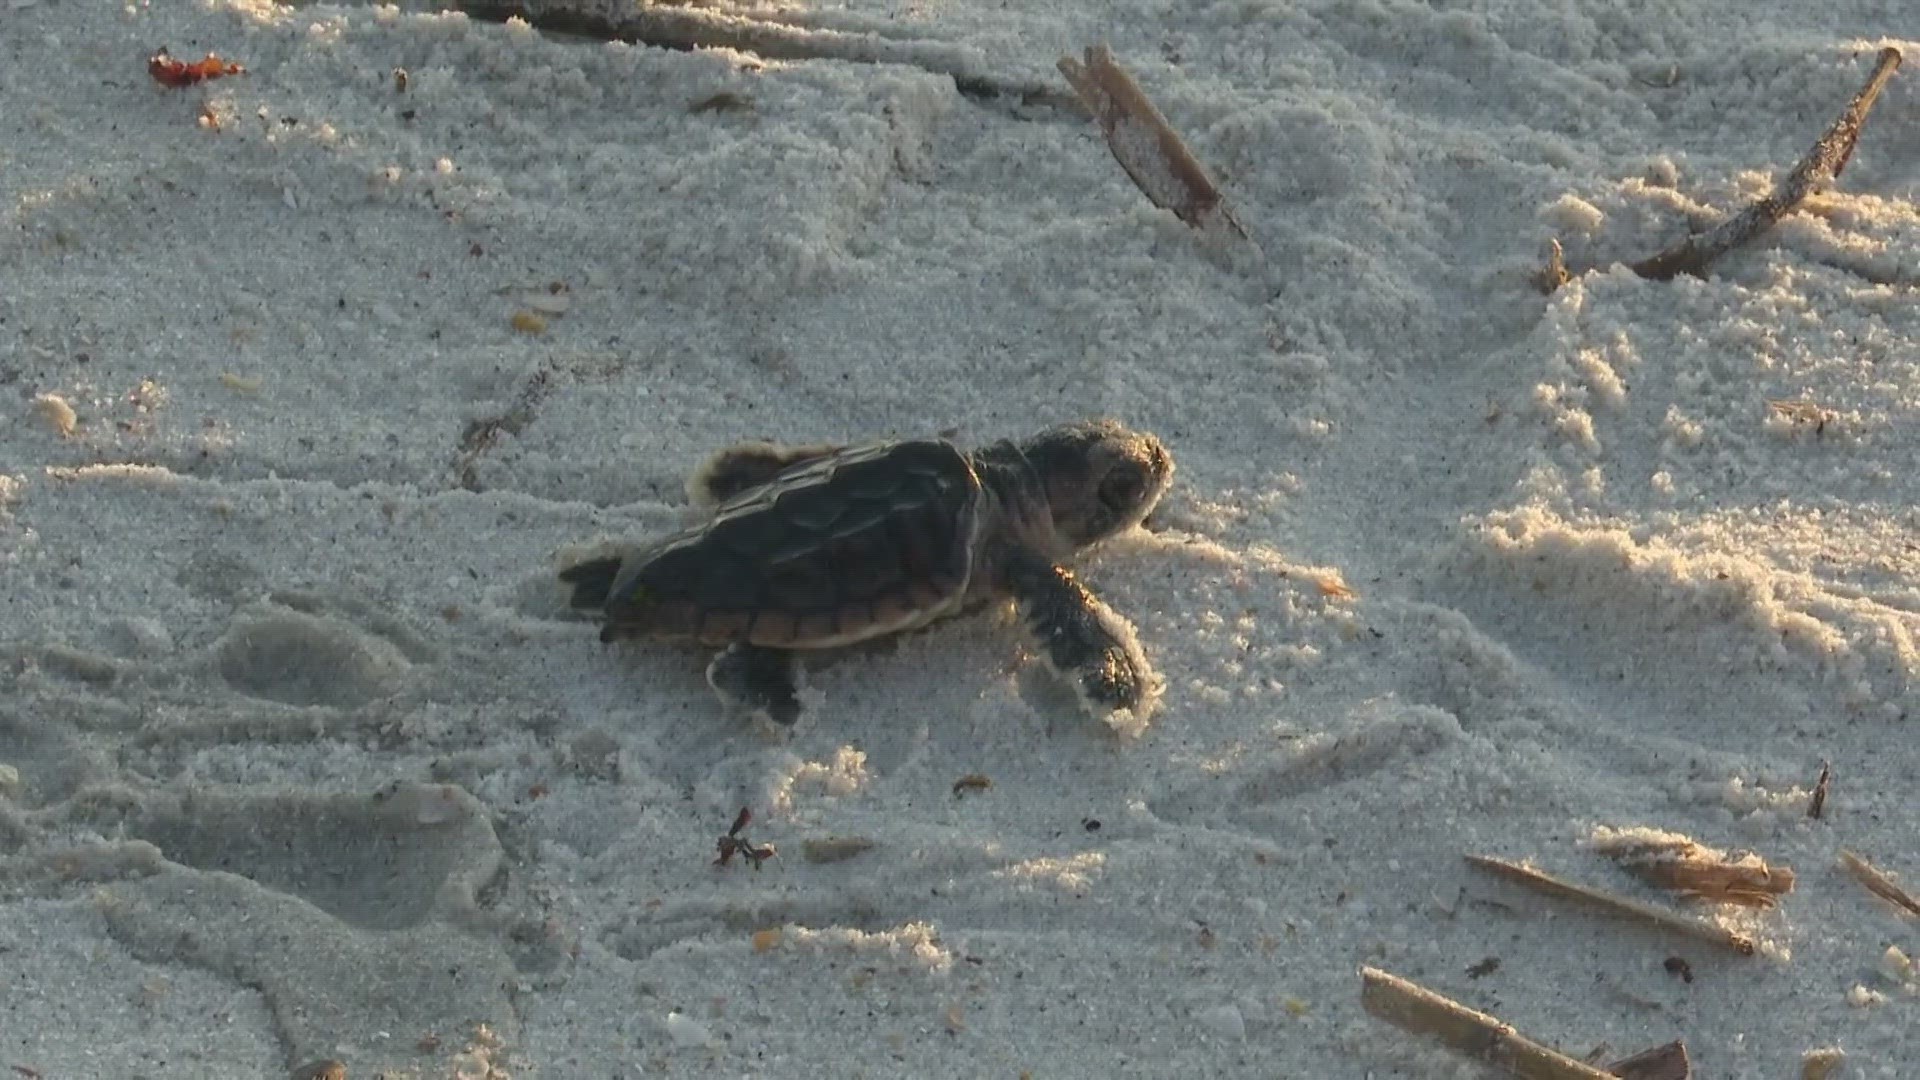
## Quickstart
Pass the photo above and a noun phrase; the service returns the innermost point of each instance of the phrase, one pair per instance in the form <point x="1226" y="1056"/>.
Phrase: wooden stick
<point x="1145" y="145"/>
<point x="1419" y="1010"/>
<point x="1820" y="167"/>
<point x="1879" y="884"/>
<point x="1552" y="886"/>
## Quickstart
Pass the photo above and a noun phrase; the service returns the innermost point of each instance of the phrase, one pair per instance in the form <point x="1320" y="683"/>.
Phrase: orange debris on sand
<point x="167" y="71"/>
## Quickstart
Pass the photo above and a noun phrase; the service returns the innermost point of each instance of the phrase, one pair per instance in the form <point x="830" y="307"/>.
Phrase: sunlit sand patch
<point x="1073" y="873"/>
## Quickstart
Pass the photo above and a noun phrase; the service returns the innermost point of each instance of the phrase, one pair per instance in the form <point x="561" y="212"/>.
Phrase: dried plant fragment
<point x="168" y="71"/>
<point x="1879" y="884"/>
<point x="972" y="782"/>
<point x="1145" y="145"/>
<point x="1549" y="885"/>
<point x="1817" y="806"/>
<point x="1820" y="167"/>
<point x="1803" y="411"/>
<point x="1421" y="1011"/>
<point x="1554" y="274"/>
<point x="1676" y="862"/>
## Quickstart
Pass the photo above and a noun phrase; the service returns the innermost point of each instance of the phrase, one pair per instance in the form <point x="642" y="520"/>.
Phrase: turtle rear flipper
<point x="1084" y="641"/>
<point x="745" y="466"/>
<point x="592" y="581"/>
<point x="758" y="680"/>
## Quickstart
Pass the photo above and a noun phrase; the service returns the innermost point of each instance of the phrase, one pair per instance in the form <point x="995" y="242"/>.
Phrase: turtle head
<point x="1100" y="478"/>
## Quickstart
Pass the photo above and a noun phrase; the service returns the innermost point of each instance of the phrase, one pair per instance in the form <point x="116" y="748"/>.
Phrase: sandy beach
<point x="315" y="373"/>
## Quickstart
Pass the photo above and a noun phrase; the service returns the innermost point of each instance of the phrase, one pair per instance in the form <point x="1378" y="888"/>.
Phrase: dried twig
<point x="1673" y="861"/>
<point x="1145" y="145"/>
<point x="1619" y="905"/>
<point x="1419" y="1010"/>
<point x="1817" y="806"/>
<point x="1820" y="167"/>
<point x="1879" y="884"/>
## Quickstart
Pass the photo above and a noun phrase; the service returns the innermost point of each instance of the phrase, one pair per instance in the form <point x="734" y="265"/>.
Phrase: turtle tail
<point x="592" y="581"/>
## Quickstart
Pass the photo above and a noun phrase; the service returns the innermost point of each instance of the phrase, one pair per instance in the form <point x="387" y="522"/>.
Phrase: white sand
<point x="299" y="759"/>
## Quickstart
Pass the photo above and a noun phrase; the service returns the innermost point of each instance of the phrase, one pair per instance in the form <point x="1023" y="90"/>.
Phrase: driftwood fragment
<point x="1676" y="862"/>
<point x="1145" y="145"/>
<point x="1821" y="166"/>
<point x="1549" y="885"/>
<point x="1415" y="1008"/>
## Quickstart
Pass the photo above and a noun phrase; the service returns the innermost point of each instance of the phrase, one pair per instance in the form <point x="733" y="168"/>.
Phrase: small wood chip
<point x="1673" y="861"/>
<point x="1419" y="1010"/>
<point x="1817" y="806"/>
<point x="1145" y="145"/>
<point x="767" y="940"/>
<point x="1879" y="884"/>
<point x="1549" y="885"/>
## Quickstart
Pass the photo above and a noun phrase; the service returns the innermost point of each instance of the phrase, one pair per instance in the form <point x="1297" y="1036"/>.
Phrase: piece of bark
<point x="1145" y="145"/>
<point x="1820" y="167"/>
<point x="1549" y="885"/>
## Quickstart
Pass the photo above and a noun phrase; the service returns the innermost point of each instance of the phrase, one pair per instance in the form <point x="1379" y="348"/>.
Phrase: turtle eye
<point x="1122" y="488"/>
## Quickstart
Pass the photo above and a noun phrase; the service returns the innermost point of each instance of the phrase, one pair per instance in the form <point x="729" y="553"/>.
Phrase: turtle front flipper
<point x="592" y="581"/>
<point x="747" y="465"/>
<point x="1086" y="642"/>
<point x="758" y="680"/>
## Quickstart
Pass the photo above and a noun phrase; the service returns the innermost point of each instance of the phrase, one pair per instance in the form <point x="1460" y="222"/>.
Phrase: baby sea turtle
<point x="817" y="547"/>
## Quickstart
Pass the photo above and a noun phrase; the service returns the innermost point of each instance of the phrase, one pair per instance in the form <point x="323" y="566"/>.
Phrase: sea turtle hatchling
<point x="817" y="547"/>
